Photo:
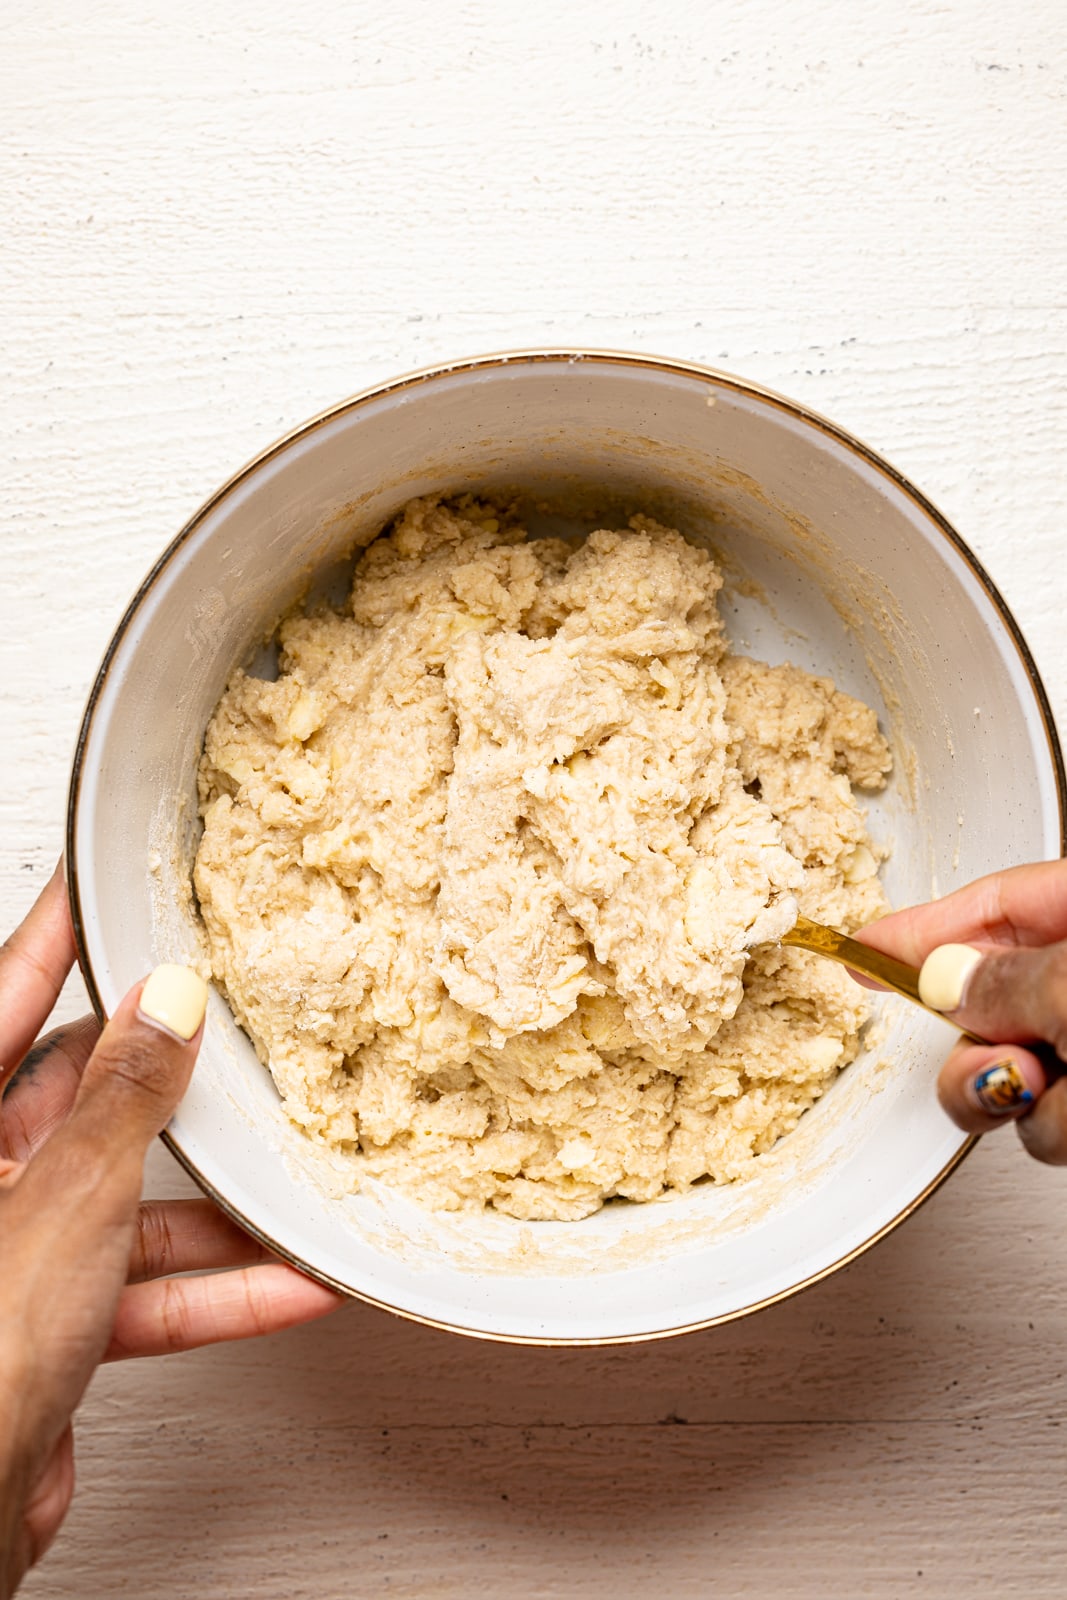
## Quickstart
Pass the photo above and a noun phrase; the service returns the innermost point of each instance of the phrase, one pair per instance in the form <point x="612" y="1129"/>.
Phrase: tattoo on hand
<point x="27" y="1067"/>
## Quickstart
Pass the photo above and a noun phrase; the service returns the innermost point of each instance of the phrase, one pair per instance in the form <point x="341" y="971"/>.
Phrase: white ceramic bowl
<point x="854" y="574"/>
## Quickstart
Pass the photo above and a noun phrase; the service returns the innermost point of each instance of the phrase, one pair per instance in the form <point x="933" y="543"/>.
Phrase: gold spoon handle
<point x="891" y="974"/>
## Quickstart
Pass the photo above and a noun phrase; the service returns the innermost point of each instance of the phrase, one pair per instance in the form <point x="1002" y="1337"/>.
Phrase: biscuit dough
<point x="480" y="871"/>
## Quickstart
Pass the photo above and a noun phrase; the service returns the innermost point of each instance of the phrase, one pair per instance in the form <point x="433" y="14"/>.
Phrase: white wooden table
<point x="219" y="218"/>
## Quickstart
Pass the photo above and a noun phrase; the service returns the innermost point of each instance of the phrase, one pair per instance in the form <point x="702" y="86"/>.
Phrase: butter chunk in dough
<point x="481" y="872"/>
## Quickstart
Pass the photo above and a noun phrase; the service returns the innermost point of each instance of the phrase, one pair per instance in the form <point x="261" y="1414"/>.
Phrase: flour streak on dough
<point x="481" y="870"/>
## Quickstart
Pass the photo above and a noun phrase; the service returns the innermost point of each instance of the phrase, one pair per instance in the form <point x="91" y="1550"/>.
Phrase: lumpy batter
<point x="482" y="870"/>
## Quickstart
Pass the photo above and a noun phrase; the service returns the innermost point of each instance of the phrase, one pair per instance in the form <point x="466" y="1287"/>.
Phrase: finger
<point x="188" y="1236"/>
<point x="983" y="1086"/>
<point x="1016" y="996"/>
<point x="34" y="964"/>
<point x="39" y="1096"/>
<point x="1044" y="1131"/>
<point x="129" y="1090"/>
<point x="1021" y="905"/>
<point x="172" y="1314"/>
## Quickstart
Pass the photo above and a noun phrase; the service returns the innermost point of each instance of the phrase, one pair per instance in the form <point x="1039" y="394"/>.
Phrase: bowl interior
<point x="832" y="562"/>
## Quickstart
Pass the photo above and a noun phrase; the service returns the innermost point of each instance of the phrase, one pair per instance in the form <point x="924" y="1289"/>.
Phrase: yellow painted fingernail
<point x="175" y="998"/>
<point x="944" y="974"/>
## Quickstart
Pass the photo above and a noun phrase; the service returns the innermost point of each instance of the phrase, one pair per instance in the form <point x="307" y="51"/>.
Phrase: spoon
<point x="891" y="974"/>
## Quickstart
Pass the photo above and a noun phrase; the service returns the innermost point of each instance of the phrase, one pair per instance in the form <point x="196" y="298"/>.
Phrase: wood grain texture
<point x="218" y="222"/>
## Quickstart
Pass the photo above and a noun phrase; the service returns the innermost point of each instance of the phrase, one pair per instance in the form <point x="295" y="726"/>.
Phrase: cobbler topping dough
<point x="482" y="870"/>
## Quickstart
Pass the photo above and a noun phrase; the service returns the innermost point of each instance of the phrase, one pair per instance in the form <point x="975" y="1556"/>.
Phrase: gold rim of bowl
<point x="422" y="375"/>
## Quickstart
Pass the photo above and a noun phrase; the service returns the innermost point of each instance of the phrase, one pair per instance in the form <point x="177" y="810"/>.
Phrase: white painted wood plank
<point x="794" y="1511"/>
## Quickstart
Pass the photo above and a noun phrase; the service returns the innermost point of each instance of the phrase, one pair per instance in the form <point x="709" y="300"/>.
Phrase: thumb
<point x="1010" y="995"/>
<point x="1016" y="996"/>
<point x="141" y="1065"/>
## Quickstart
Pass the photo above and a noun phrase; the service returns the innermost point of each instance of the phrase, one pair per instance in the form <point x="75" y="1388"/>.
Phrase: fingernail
<point x="944" y="974"/>
<point x="1000" y="1088"/>
<point x="175" y="998"/>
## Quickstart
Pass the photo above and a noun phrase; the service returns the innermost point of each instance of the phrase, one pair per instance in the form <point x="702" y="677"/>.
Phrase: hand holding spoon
<point x="882" y="969"/>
